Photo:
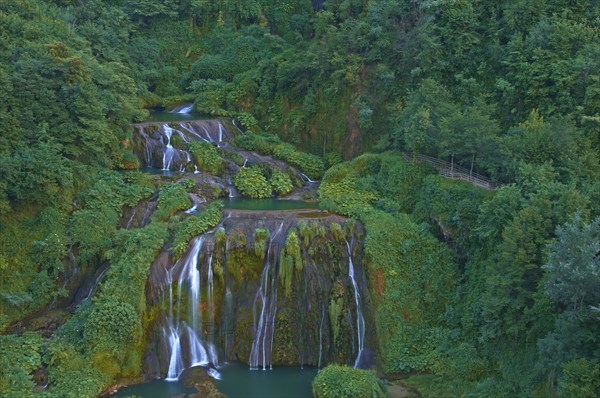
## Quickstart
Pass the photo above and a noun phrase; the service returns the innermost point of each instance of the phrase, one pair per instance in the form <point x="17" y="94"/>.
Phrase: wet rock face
<point x="163" y="145"/>
<point x="280" y="292"/>
<point x="45" y="322"/>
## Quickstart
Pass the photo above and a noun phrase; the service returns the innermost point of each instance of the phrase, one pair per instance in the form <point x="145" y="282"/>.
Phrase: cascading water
<point x="168" y="154"/>
<point x="305" y="178"/>
<point x="360" y="320"/>
<point x="179" y="331"/>
<point x="154" y="141"/>
<point x="262" y="345"/>
<point x="186" y="109"/>
<point x="321" y="337"/>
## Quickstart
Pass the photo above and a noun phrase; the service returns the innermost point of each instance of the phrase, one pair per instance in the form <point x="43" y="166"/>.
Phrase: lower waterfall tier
<point x="278" y="291"/>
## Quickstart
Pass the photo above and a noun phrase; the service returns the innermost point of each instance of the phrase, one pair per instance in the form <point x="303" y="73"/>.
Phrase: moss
<point x="290" y="261"/>
<point x="260" y="242"/>
<point x="207" y="157"/>
<point x="337" y="232"/>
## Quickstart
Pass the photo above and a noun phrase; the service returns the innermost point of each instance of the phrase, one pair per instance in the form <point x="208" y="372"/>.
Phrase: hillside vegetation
<point x="482" y="293"/>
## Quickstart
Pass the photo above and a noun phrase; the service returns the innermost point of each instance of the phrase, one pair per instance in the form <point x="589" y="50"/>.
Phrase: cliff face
<point x="264" y="288"/>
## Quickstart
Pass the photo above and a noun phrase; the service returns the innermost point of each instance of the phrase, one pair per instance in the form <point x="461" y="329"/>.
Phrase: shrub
<point x="281" y="183"/>
<point x="336" y="381"/>
<point x="196" y="225"/>
<point x="260" y="242"/>
<point x="250" y="182"/>
<point x="207" y="157"/>
<point x="291" y="261"/>
<point x="309" y="164"/>
<point x="172" y="198"/>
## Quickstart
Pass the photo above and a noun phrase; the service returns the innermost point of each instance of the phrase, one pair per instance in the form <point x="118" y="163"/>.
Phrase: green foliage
<point x="196" y="225"/>
<point x="281" y="183"/>
<point x="581" y="379"/>
<point x="207" y="157"/>
<point x="260" y="237"/>
<point x="19" y="357"/>
<point x="290" y="262"/>
<point x="251" y="183"/>
<point x="412" y="279"/>
<point x="310" y="165"/>
<point x="172" y="198"/>
<point x="572" y="265"/>
<point x="111" y="326"/>
<point x="344" y="381"/>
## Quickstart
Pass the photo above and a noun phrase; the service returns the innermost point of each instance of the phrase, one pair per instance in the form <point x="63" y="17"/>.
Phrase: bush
<point x="207" y="157"/>
<point x="336" y="381"/>
<point x="281" y="183"/>
<point x="311" y="165"/>
<point x="250" y="182"/>
<point x="196" y="225"/>
<point x="581" y="379"/>
<point x="172" y="198"/>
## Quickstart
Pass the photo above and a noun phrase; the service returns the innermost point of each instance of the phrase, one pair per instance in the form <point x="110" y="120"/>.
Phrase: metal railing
<point x="453" y="171"/>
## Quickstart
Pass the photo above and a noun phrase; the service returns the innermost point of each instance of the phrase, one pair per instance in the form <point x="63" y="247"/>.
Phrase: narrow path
<point x="452" y="171"/>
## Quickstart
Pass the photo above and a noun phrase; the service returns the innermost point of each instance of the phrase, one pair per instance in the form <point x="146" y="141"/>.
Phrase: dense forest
<point x="474" y="292"/>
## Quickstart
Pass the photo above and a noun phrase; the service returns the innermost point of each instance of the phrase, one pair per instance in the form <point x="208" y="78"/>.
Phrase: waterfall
<point x="208" y="137"/>
<point x="168" y="154"/>
<point x="179" y="330"/>
<point x="186" y="109"/>
<point x="245" y="161"/>
<point x="211" y="313"/>
<point x="196" y="201"/>
<point x="220" y="133"/>
<point x="321" y="336"/>
<point x="305" y="178"/>
<point x="360" y="320"/>
<point x="264" y="331"/>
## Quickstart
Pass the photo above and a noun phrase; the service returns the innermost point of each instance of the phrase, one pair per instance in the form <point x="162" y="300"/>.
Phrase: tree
<point x="573" y="265"/>
<point x="467" y="133"/>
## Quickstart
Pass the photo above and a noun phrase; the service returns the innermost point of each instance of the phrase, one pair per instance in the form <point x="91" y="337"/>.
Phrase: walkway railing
<point x="452" y="171"/>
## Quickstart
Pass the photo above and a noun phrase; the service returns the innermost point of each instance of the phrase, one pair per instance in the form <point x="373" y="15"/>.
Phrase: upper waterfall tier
<point x="164" y="145"/>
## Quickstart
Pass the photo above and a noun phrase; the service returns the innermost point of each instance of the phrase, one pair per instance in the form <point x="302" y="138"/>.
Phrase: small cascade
<point x="245" y="162"/>
<point x="360" y="320"/>
<point x="212" y="351"/>
<point x="208" y="137"/>
<point x="196" y="200"/>
<point x="183" y="335"/>
<point x="183" y="109"/>
<point x="233" y="193"/>
<point x="321" y="336"/>
<point x="161" y="145"/>
<point x="191" y="131"/>
<point x="305" y="178"/>
<point x="236" y="126"/>
<point x="262" y="345"/>
<point x="168" y="154"/>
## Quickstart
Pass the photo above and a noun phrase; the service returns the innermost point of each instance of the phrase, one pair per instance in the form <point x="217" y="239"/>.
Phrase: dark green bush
<point x="172" y="198"/>
<point x="337" y="381"/>
<point x="281" y="183"/>
<point x="309" y="164"/>
<point x="207" y="157"/>
<point x="196" y="225"/>
<point x="251" y="183"/>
